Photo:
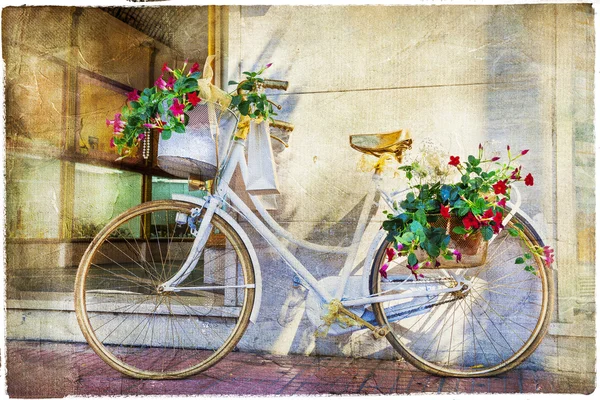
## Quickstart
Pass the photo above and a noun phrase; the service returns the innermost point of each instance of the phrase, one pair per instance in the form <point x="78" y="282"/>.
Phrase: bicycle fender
<point x="247" y="243"/>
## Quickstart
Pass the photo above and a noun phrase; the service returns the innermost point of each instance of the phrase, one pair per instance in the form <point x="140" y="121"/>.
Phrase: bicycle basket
<point x="195" y="151"/>
<point x="473" y="248"/>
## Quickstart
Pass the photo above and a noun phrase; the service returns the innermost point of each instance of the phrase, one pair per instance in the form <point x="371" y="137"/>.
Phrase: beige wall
<point x="518" y="75"/>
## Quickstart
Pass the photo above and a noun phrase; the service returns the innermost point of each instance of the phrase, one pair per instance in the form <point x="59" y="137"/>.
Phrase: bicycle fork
<point x="203" y="233"/>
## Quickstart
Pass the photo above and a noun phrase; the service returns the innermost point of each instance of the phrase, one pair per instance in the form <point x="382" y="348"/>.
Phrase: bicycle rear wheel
<point x="488" y="330"/>
<point x="143" y="331"/>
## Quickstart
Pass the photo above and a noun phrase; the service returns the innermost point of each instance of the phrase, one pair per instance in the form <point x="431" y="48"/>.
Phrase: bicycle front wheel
<point x="142" y="330"/>
<point x="488" y="330"/>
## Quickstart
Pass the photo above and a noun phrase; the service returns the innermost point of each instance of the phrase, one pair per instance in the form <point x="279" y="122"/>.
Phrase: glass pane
<point x="32" y="197"/>
<point x="163" y="188"/>
<point x="100" y="195"/>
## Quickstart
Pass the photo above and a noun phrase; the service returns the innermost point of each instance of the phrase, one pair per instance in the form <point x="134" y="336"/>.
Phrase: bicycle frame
<point x="223" y="194"/>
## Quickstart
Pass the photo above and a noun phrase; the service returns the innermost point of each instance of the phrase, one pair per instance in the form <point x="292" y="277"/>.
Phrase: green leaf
<point x="412" y="259"/>
<point x="421" y="217"/>
<point x="527" y="256"/>
<point x="487" y="233"/>
<point x="232" y="83"/>
<point x="473" y="161"/>
<point x="519" y="260"/>
<point x="179" y="128"/>
<point x="416" y="226"/>
<point x="531" y="269"/>
<point x="165" y="134"/>
<point x="244" y="107"/>
<point x="513" y="232"/>
<point x="519" y="226"/>
<point x="460" y="230"/>
<point x="464" y="179"/>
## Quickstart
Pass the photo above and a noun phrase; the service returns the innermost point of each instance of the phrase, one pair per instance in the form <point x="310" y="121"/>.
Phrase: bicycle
<point x="168" y="288"/>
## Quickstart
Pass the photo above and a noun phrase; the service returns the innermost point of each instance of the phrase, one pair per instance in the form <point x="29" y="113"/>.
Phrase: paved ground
<point x="42" y="369"/>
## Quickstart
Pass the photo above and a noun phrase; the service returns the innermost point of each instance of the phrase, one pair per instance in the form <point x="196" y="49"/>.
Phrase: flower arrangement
<point x="164" y="106"/>
<point x="477" y="201"/>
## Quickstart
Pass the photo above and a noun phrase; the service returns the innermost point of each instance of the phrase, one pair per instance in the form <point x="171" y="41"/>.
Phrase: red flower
<point x="516" y="174"/>
<point x="502" y="203"/>
<point x="193" y="98"/>
<point x="470" y="221"/>
<point x="488" y="214"/>
<point x="177" y="108"/>
<point x="495" y="159"/>
<point x="195" y="68"/>
<point x="166" y="68"/>
<point x="390" y="253"/>
<point x="383" y="270"/>
<point x="133" y="95"/>
<point x="524" y="152"/>
<point x="529" y="180"/>
<point x="445" y="211"/>
<point x="454" y="161"/>
<point x="500" y="187"/>
<point x="498" y="217"/>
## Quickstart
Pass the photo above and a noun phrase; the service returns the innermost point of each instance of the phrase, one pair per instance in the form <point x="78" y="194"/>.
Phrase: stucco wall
<point x="459" y="76"/>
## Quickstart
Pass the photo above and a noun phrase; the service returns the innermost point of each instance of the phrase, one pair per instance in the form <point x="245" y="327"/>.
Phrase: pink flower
<point x="390" y="253"/>
<point x="193" y="98"/>
<point x="177" y="108"/>
<point x="445" y="211"/>
<point x="457" y="254"/>
<point x="133" y="95"/>
<point x="454" y="161"/>
<point x="548" y="256"/>
<point x="160" y="83"/>
<point x="141" y="136"/>
<point x="529" y="180"/>
<point x="524" y="152"/>
<point x="166" y="68"/>
<point x="171" y="82"/>
<point x="268" y="65"/>
<point x="502" y="203"/>
<point x="195" y="68"/>
<point x="112" y="142"/>
<point x="150" y="126"/>
<point x="383" y="270"/>
<point x="117" y="123"/>
<point x="400" y="247"/>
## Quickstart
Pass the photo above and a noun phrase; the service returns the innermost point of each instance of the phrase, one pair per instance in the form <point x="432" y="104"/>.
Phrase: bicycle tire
<point x="491" y="348"/>
<point x="143" y="332"/>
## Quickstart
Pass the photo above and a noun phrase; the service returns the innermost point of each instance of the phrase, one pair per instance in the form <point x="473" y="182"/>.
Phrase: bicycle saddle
<point x="380" y="143"/>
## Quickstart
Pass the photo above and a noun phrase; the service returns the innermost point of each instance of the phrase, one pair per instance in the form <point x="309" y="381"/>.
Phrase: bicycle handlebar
<point x="275" y="84"/>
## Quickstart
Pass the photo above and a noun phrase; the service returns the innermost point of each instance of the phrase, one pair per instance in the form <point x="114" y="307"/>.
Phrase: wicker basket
<point x="472" y="248"/>
<point x="195" y="151"/>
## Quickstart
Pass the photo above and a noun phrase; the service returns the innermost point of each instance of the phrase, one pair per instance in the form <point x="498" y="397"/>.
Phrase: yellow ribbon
<point x="379" y="166"/>
<point x="208" y="91"/>
<point x="244" y="126"/>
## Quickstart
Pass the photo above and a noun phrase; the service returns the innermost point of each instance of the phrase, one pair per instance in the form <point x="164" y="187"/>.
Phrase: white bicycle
<point x="168" y="288"/>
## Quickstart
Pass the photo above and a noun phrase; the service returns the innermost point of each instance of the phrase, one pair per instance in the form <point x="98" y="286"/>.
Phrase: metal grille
<point x="157" y="22"/>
